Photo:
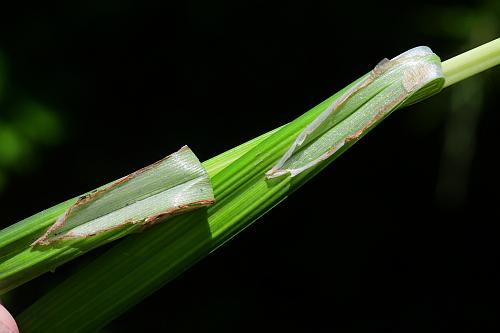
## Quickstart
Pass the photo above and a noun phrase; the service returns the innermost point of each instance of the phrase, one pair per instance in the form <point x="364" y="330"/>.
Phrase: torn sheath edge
<point x="390" y="84"/>
<point x="174" y="185"/>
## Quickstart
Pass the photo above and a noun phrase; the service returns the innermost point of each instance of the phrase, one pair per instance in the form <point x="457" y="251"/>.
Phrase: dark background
<point x="399" y="234"/>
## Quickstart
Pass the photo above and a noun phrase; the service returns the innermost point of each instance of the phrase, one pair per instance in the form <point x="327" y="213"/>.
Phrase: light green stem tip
<point x="471" y="62"/>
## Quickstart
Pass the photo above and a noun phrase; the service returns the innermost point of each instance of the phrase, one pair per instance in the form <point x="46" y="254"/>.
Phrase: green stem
<point x="140" y="264"/>
<point x="122" y="276"/>
<point x="19" y="263"/>
<point x="471" y="62"/>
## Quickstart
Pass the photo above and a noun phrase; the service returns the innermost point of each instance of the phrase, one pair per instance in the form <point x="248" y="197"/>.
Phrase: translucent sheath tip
<point x="361" y="106"/>
<point x="175" y="184"/>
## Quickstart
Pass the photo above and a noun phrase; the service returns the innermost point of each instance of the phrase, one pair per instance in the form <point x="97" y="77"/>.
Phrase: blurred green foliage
<point x="25" y="127"/>
<point x="3" y="74"/>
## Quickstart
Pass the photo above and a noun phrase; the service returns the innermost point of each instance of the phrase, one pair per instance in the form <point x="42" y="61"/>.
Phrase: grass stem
<point x="471" y="62"/>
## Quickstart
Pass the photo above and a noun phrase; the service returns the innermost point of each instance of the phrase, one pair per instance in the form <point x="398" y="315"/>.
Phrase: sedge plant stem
<point x="471" y="62"/>
<point x="93" y="297"/>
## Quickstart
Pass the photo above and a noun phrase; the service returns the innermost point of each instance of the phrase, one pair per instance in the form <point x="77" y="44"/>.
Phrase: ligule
<point x="173" y="185"/>
<point x="371" y="99"/>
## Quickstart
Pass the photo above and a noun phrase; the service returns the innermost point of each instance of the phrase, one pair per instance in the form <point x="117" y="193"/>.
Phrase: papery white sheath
<point x="175" y="184"/>
<point x="389" y="85"/>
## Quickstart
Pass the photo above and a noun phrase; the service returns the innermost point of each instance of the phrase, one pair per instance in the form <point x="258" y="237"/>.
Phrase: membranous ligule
<point x="401" y="81"/>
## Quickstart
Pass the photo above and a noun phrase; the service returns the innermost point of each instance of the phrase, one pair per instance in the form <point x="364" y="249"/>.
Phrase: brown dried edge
<point x="43" y="240"/>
